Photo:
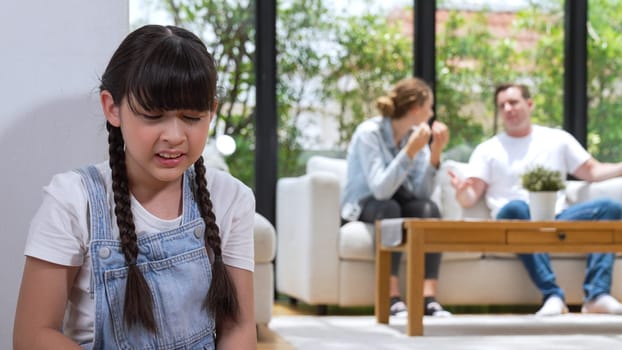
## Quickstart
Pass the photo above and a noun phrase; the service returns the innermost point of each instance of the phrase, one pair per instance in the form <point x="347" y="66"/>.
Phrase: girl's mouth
<point x="169" y="155"/>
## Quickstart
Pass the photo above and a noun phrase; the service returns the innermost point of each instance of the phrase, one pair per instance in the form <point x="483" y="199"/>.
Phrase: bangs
<point x="173" y="76"/>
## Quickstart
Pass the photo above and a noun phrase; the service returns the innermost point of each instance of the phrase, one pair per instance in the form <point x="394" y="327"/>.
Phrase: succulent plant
<point x="540" y="178"/>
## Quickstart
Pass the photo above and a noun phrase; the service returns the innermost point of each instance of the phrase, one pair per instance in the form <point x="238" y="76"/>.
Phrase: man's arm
<point x="593" y="170"/>
<point x="469" y="190"/>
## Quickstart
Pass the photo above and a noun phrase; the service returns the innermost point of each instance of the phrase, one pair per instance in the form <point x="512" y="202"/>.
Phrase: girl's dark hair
<point x="406" y="94"/>
<point x="163" y="68"/>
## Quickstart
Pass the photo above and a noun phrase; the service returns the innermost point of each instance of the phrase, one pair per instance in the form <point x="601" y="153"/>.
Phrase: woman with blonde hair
<point x="391" y="169"/>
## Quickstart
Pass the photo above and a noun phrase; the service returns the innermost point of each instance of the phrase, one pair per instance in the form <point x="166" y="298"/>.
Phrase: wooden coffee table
<point x="437" y="235"/>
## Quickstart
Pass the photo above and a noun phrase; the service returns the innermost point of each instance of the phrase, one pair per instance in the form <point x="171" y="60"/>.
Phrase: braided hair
<point x="163" y="68"/>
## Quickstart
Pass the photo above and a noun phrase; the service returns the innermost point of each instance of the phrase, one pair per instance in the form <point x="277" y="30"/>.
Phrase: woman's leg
<point x="425" y="208"/>
<point x="372" y="210"/>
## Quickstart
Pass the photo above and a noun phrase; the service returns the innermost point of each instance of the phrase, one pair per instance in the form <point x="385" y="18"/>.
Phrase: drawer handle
<point x="561" y="236"/>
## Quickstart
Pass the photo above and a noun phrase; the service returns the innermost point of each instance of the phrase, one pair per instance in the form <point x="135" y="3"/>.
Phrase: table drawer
<point x="465" y="236"/>
<point x="566" y="236"/>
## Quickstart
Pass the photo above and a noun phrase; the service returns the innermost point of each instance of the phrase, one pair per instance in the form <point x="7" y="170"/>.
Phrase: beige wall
<point x="52" y="55"/>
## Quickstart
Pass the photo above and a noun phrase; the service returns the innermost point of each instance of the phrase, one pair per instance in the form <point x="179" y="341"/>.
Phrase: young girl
<point x="391" y="170"/>
<point x="150" y="250"/>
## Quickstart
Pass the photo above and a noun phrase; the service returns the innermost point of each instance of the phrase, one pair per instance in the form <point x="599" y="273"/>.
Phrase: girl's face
<point x="160" y="145"/>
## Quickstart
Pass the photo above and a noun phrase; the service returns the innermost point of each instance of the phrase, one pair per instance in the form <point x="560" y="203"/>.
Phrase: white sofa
<point x="263" y="278"/>
<point x="321" y="262"/>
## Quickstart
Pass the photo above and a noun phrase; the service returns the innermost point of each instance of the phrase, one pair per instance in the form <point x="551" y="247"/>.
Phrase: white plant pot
<point x="542" y="205"/>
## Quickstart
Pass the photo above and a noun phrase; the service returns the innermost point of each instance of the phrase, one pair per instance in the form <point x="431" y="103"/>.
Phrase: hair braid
<point x="221" y="297"/>
<point x="138" y="306"/>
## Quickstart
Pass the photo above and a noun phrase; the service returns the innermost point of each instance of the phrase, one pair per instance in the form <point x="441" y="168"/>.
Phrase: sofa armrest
<point x="581" y="191"/>
<point x="265" y="240"/>
<point x="307" y="222"/>
<point x="263" y="277"/>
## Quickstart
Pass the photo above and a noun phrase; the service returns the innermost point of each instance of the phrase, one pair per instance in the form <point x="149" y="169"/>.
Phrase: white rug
<point x="516" y="332"/>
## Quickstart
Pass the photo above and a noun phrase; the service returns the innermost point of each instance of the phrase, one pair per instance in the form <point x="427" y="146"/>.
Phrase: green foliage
<point x="228" y="30"/>
<point x="334" y="66"/>
<point x="373" y="53"/>
<point x="604" y="67"/>
<point x="540" y="178"/>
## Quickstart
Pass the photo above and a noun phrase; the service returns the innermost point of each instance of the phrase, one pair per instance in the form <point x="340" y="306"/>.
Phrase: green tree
<point x="372" y="54"/>
<point x="228" y="29"/>
<point x="337" y="65"/>
<point x="604" y="67"/>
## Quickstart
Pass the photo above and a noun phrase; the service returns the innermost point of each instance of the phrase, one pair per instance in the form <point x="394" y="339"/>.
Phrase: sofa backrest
<point x="336" y="166"/>
<point x="581" y="191"/>
<point x="444" y="196"/>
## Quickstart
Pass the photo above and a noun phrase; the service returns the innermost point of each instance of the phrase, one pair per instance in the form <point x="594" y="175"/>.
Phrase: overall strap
<point x="99" y="213"/>
<point x="190" y="206"/>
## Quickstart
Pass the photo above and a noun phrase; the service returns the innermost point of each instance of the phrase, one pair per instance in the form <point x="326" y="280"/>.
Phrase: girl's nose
<point x="173" y="132"/>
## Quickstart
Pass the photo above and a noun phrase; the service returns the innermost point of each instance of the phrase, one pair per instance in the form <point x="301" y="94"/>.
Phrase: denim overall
<point x="175" y="265"/>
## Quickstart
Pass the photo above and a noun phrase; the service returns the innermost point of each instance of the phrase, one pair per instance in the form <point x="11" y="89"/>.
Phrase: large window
<point x="481" y="46"/>
<point x="228" y="29"/>
<point x="334" y="58"/>
<point x="604" y="82"/>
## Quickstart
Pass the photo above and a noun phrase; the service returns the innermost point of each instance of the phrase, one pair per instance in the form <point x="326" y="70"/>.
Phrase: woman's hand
<point x="440" y="138"/>
<point x="418" y="139"/>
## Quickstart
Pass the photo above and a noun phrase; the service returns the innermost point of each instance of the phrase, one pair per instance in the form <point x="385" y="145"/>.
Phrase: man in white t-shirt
<point x="494" y="171"/>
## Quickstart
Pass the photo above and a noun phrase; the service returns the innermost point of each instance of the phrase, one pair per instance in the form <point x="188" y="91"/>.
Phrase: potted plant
<point x="543" y="185"/>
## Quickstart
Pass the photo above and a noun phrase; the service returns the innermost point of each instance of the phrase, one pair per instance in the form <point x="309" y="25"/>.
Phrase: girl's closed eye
<point x="192" y="118"/>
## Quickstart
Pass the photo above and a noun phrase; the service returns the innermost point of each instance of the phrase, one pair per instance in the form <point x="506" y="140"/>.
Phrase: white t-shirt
<point x="59" y="233"/>
<point x="501" y="160"/>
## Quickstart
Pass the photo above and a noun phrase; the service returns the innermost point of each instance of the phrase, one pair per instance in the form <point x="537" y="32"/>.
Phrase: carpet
<point x="473" y="332"/>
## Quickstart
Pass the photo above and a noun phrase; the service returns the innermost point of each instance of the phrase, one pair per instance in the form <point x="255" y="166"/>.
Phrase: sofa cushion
<point x="357" y="242"/>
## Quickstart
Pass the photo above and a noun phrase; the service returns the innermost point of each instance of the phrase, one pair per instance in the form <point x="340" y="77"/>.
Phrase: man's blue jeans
<point x="599" y="265"/>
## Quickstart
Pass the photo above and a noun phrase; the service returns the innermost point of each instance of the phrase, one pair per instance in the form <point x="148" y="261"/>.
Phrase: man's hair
<point x="524" y="90"/>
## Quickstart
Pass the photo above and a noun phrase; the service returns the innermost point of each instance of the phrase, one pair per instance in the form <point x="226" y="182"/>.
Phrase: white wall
<point x="51" y="56"/>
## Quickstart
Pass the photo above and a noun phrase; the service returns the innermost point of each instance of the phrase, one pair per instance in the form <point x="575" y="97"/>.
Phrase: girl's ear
<point x="214" y="109"/>
<point x="111" y="110"/>
<point x="212" y="112"/>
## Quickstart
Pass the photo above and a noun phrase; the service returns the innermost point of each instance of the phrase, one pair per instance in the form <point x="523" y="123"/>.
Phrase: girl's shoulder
<point x="227" y="190"/>
<point x="69" y="190"/>
<point x="58" y="231"/>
